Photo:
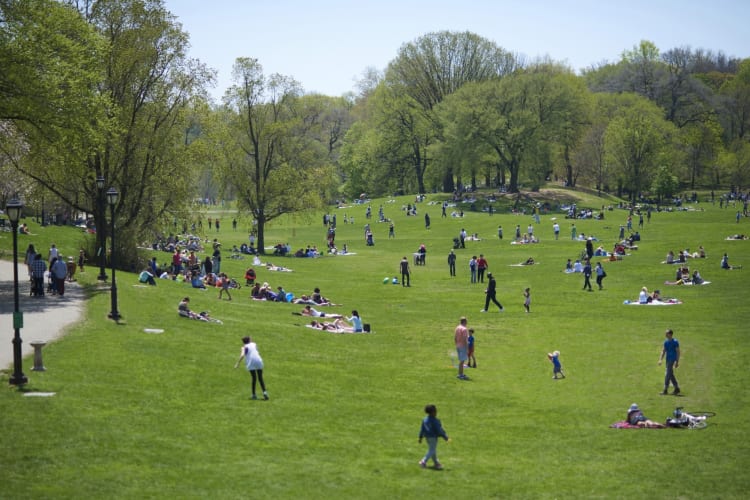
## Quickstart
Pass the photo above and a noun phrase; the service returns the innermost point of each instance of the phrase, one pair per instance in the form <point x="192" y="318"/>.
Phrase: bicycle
<point x="694" y="420"/>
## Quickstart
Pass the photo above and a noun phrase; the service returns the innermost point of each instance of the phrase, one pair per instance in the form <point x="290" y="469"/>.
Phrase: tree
<point x="51" y="65"/>
<point x="643" y="69"/>
<point x="144" y="83"/>
<point x="425" y="72"/>
<point x="270" y="161"/>
<point x="735" y="163"/>
<point x="736" y="93"/>
<point x="665" y="184"/>
<point x="638" y="140"/>
<point x="513" y="115"/>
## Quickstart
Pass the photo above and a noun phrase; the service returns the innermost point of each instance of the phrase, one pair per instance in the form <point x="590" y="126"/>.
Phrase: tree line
<point x="104" y="89"/>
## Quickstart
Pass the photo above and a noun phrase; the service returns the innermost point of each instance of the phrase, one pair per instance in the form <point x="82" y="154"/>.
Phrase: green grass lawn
<point x="140" y="415"/>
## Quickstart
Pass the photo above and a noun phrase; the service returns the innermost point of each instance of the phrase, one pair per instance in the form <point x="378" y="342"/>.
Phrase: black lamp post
<point x="100" y="235"/>
<point x="13" y="209"/>
<point x="112" y="197"/>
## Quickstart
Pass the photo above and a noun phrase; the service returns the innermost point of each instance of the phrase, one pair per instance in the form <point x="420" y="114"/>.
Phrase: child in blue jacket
<point x="431" y="429"/>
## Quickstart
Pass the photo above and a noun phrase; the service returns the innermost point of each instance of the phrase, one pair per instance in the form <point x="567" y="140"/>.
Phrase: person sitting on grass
<point x="725" y="263"/>
<point x="636" y="417"/>
<point x="356" y="321"/>
<point x="146" y="277"/>
<point x="697" y="278"/>
<point x="320" y="300"/>
<point x="577" y="267"/>
<point x="183" y="310"/>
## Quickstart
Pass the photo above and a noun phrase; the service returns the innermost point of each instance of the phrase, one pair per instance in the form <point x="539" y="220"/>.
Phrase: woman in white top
<point x="254" y="364"/>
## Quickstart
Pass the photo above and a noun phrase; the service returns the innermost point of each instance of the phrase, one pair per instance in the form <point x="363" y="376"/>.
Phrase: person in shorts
<point x="461" y="338"/>
<point x="471" y="360"/>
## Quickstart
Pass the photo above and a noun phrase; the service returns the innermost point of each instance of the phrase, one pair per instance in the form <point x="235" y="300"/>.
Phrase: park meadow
<point x="144" y="415"/>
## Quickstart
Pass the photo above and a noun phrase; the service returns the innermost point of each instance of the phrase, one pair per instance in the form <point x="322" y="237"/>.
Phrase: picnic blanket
<point x="334" y="330"/>
<point x="667" y="302"/>
<point x="682" y="283"/>
<point x="623" y="424"/>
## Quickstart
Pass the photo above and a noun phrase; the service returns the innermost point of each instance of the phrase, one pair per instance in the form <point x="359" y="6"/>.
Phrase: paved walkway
<point x="44" y="318"/>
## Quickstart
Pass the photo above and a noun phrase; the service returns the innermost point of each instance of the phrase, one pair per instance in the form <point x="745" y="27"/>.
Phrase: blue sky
<point x="327" y="44"/>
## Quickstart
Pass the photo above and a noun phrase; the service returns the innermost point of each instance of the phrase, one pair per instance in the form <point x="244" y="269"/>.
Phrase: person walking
<point x="405" y="272"/>
<point x="391" y="231"/>
<point x="461" y="339"/>
<point x="38" y="268"/>
<point x="452" y="263"/>
<point x="59" y="271"/>
<point x="556" y="230"/>
<point x="587" y="275"/>
<point x="254" y="364"/>
<point x="600" y="274"/>
<point x="671" y="350"/>
<point x="431" y="430"/>
<point x="81" y="260"/>
<point x="500" y="232"/>
<point x="589" y="247"/>
<point x="490" y="294"/>
<point x="527" y="300"/>
<point x="224" y="285"/>
<point x="427" y="221"/>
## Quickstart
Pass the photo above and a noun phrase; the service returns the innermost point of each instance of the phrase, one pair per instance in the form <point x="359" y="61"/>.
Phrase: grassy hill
<point x="142" y="415"/>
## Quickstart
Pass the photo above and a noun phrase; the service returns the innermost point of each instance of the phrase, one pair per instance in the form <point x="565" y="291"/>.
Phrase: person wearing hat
<point x="636" y="417"/>
<point x="490" y="294"/>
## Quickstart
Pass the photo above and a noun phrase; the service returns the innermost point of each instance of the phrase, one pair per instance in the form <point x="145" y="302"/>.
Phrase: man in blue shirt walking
<point x="671" y="350"/>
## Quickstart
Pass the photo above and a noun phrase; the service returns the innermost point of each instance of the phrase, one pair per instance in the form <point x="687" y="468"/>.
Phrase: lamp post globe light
<point x="112" y="197"/>
<point x="13" y="209"/>
<point x="100" y="235"/>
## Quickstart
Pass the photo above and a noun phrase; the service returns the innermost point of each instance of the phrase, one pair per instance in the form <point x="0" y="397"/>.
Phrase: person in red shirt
<point x="482" y="266"/>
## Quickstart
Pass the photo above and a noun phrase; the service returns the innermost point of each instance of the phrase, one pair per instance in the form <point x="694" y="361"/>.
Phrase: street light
<point x="112" y="197"/>
<point x="13" y="209"/>
<point x="100" y="235"/>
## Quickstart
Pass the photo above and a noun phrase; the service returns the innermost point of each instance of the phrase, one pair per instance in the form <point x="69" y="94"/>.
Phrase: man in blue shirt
<point x="671" y="350"/>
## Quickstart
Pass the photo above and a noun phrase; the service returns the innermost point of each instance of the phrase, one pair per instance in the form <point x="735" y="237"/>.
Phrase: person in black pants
<point x="491" y="294"/>
<point x="405" y="271"/>
<point x="452" y="263"/>
<point x="587" y="275"/>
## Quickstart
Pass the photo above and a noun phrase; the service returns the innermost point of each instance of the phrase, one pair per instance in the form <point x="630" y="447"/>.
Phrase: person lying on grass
<point x="338" y="326"/>
<point x="636" y="417"/>
<point x="308" y="310"/>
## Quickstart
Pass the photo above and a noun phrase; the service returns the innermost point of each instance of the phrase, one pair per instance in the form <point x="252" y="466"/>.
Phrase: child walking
<point x="470" y="350"/>
<point x="224" y="284"/>
<point x="556" y="366"/>
<point x="431" y="429"/>
<point x="527" y="299"/>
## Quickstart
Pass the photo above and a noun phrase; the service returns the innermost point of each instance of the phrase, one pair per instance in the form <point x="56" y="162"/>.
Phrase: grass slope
<point x="141" y="415"/>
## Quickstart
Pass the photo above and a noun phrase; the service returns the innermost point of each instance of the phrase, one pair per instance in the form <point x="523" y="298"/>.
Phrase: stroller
<point x="456" y="243"/>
